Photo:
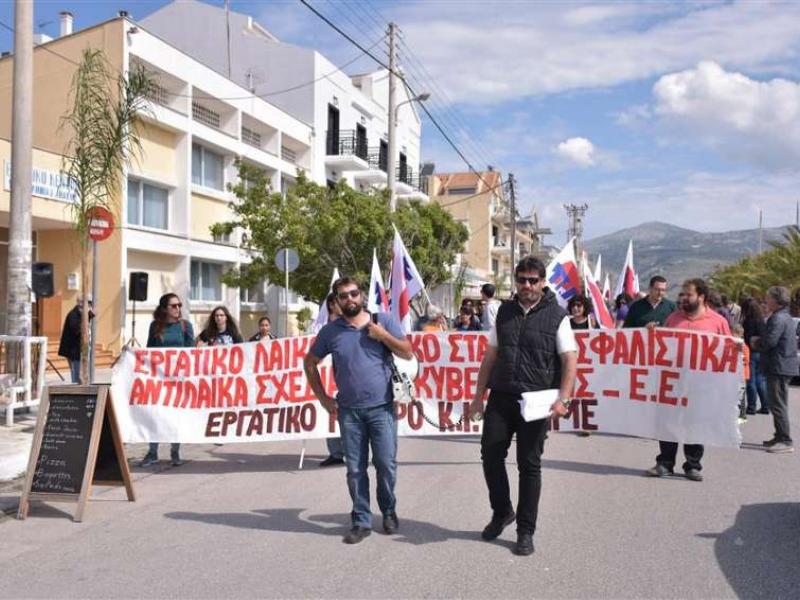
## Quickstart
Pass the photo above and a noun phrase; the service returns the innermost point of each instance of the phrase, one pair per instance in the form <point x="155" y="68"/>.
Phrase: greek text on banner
<point x="663" y="384"/>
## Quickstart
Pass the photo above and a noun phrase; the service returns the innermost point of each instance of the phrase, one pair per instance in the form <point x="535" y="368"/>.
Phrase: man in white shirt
<point x="490" y="306"/>
<point x="531" y="348"/>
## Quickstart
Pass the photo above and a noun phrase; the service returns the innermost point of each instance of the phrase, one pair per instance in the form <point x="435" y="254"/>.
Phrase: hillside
<point x="674" y="252"/>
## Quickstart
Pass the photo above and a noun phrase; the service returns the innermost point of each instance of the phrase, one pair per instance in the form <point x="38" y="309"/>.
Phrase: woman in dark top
<point x="621" y="305"/>
<point x="754" y="326"/>
<point x="466" y="320"/>
<point x="168" y="330"/>
<point x="580" y="309"/>
<point x="220" y="329"/>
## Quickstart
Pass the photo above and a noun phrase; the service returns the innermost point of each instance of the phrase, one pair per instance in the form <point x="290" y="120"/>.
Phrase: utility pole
<point x="760" y="230"/>
<point x="18" y="299"/>
<point x="392" y="132"/>
<point x="512" y="193"/>
<point x="576" y="213"/>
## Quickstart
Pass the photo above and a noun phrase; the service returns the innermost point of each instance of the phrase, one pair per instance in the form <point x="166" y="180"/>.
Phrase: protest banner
<point x="664" y="384"/>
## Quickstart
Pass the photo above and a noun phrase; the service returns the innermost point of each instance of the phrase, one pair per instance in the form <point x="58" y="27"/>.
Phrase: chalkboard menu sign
<point x="65" y="444"/>
<point x="76" y="444"/>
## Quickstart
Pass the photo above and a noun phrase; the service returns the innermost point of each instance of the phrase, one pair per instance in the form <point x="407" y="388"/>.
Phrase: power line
<point x="427" y="81"/>
<point x="385" y="66"/>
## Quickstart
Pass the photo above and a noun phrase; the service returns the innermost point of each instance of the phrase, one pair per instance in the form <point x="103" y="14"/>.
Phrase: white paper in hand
<point x="536" y="405"/>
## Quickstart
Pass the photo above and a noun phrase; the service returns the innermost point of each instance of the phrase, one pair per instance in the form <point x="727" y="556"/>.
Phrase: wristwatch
<point x="566" y="402"/>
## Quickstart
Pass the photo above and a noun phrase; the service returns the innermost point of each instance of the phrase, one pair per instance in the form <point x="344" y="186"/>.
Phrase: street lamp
<point x="392" y="136"/>
<point x="420" y="98"/>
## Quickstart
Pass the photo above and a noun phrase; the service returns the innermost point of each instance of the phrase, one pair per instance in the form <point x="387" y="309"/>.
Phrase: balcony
<point x="348" y="152"/>
<point x="375" y="173"/>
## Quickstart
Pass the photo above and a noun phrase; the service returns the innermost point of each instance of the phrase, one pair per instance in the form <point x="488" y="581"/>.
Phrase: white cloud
<point x="577" y="150"/>
<point x="757" y="122"/>
<point x="480" y="55"/>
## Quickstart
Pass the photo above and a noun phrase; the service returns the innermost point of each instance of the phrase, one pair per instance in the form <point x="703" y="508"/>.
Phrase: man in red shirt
<point x="692" y="314"/>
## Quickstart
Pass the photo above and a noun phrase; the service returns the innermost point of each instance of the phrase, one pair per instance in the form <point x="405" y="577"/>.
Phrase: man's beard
<point x="691" y="307"/>
<point x="351" y="309"/>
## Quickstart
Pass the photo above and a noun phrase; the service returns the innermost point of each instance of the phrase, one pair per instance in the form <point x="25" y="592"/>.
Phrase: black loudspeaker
<point x="137" y="289"/>
<point x="42" y="278"/>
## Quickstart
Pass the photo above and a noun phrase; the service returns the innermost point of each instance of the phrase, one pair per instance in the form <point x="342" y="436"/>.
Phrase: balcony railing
<point x="377" y="160"/>
<point x="349" y="143"/>
<point x="251" y="138"/>
<point x="288" y="155"/>
<point x="205" y="115"/>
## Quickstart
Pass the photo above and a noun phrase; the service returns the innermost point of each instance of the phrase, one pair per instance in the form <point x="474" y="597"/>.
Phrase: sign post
<point x="101" y="226"/>
<point x="287" y="260"/>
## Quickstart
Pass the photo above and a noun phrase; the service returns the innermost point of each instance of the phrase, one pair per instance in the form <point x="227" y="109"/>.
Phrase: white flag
<point x="377" y="299"/>
<point x="322" y="315"/>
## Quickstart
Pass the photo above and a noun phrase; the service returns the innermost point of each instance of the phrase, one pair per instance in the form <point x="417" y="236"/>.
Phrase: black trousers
<point x="669" y="452"/>
<point x="778" y="394"/>
<point x="501" y="421"/>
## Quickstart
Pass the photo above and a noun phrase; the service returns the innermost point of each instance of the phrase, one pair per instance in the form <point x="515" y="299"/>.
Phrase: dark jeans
<point x="75" y="370"/>
<point x="335" y="447"/>
<point x="153" y="449"/>
<point x="778" y="392"/>
<point x="501" y="421"/>
<point x="756" y="385"/>
<point x="361" y="429"/>
<point x="669" y="451"/>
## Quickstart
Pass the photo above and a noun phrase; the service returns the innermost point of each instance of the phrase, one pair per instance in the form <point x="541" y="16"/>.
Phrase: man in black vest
<point x="531" y="348"/>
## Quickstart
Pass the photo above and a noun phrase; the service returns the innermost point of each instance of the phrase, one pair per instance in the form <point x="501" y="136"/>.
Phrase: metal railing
<point x="251" y="138"/>
<point x="349" y="143"/>
<point x="22" y="366"/>
<point x="205" y="115"/>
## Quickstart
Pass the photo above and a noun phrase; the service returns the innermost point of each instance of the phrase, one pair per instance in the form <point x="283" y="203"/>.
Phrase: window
<point x="206" y="281"/>
<point x="461" y="190"/>
<point x="253" y="295"/>
<point x="148" y="205"/>
<point x="207" y="168"/>
<point x="495" y="266"/>
<point x="288" y="155"/>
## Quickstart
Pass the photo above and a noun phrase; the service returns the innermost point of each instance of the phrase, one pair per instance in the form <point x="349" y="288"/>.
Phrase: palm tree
<point x="755" y="274"/>
<point x="102" y="124"/>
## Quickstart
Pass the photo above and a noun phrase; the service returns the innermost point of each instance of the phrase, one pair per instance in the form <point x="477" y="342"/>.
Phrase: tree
<point x="755" y="274"/>
<point x="330" y="228"/>
<point x="101" y="123"/>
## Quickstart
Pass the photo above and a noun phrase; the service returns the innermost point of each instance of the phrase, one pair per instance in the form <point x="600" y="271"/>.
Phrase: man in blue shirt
<point x="362" y="345"/>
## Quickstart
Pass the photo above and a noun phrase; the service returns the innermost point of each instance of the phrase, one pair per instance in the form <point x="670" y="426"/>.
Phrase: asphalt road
<point x="242" y="521"/>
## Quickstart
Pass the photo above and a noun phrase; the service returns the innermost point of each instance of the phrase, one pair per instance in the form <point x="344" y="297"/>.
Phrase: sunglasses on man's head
<point x="350" y="294"/>
<point x="531" y="280"/>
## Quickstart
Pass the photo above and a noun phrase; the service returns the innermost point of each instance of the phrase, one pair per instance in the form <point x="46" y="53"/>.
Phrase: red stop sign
<point x="100" y="223"/>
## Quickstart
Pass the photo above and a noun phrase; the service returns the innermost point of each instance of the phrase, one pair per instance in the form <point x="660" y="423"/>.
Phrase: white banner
<point x="663" y="384"/>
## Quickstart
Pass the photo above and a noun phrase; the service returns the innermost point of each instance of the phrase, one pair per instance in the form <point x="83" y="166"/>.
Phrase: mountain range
<point x="674" y="252"/>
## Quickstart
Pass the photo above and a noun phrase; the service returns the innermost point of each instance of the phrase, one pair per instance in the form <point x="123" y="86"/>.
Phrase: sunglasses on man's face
<point x="179" y="305"/>
<point x="350" y="294"/>
<point x="528" y="280"/>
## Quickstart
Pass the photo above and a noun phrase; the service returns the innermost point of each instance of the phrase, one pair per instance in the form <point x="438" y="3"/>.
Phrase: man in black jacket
<point x="70" y="345"/>
<point x="531" y="348"/>
<point x="778" y="349"/>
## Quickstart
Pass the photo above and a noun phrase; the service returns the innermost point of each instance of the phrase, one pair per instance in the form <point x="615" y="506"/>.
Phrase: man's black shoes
<point x="496" y="526"/>
<point x="524" y="545"/>
<point x="332" y="460"/>
<point x="356" y="534"/>
<point x="390" y="523"/>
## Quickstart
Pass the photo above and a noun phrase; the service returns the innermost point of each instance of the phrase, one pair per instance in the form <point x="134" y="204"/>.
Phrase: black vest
<point x="527" y="357"/>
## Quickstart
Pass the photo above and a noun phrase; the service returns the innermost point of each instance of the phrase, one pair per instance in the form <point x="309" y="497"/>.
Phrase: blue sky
<point x="687" y="113"/>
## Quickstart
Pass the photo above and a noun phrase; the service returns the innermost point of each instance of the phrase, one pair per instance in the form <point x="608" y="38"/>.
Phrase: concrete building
<point x="199" y="122"/>
<point x="348" y="115"/>
<point x="480" y="202"/>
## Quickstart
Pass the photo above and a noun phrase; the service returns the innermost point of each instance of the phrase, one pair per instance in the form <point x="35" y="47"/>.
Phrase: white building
<point x="348" y="115"/>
